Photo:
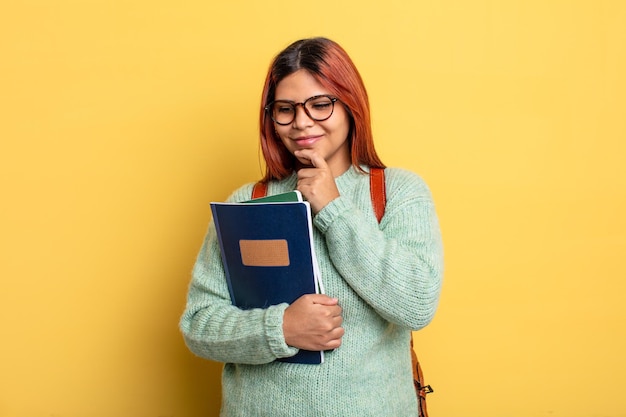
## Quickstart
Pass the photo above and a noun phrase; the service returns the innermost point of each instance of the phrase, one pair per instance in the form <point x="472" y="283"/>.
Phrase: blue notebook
<point x="268" y="256"/>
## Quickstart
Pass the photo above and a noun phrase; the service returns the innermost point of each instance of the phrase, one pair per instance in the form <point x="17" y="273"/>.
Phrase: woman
<point x="381" y="280"/>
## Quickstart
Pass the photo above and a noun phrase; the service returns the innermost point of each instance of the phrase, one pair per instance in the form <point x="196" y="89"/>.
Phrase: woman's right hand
<point x="313" y="322"/>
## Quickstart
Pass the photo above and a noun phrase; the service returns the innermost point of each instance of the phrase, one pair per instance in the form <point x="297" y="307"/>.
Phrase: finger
<point x="324" y="299"/>
<point x="336" y="313"/>
<point x="334" y="340"/>
<point x="304" y="155"/>
<point x="331" y="345"/>
<point x="306" y="173"/>
<point x="316" y="160"/>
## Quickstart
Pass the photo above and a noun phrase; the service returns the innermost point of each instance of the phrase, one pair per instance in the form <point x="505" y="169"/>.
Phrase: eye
<point x="321" y="105"/>
<point x="283" y="108"/>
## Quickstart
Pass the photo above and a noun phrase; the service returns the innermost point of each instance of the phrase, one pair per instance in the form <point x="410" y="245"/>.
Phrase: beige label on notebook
<point x="272" y="252"/>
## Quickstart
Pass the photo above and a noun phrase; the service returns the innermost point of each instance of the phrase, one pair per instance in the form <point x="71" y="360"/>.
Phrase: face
<point x="329" y="138"/>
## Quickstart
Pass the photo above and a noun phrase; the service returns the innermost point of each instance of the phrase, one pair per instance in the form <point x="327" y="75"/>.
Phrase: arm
<point x="214" y="329"/>
<point x="395" y="267"/>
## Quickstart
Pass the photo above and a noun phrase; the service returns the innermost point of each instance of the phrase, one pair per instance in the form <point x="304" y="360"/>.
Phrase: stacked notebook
<point x="268" y="254"/>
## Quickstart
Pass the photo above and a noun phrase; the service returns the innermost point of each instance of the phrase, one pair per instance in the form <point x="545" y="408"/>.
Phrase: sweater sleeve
<point x="397" y="266"/>
<point x="215" y="329"/>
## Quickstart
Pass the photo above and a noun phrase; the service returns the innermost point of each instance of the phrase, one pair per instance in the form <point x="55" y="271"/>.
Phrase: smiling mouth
<point x="305" y="141"/>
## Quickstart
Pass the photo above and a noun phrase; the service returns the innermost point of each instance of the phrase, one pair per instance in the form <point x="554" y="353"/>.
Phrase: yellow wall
<point x="121" y="120"/>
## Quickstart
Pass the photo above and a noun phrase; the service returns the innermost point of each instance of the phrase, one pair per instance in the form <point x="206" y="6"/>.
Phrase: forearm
<point x="215" y="329"/>
<point x="228" y="334"/>
<point x="397" y="270"/>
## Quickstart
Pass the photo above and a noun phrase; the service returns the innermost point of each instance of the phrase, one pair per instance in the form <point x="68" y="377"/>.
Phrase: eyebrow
<point x="293" y="101"/>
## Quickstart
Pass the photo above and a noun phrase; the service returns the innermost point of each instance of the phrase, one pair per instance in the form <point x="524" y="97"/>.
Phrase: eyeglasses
<point x="318" y="108"/>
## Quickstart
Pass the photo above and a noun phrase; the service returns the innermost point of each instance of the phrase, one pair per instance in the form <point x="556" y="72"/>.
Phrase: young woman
<point x="382" y="280"/>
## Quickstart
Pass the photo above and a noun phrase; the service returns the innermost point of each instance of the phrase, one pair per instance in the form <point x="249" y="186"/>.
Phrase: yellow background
<point x="121" y="120"/>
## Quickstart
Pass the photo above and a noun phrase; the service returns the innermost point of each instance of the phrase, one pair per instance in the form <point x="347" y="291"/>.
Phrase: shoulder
<point x="401" y="182"/>
<point x="242" y="193"/>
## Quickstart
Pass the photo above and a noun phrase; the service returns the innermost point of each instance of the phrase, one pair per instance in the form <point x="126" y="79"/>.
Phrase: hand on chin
<point x="302" y="162"/>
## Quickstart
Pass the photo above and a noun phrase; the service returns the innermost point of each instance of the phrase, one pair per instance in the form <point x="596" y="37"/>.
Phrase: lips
<point x="306" y="141"/>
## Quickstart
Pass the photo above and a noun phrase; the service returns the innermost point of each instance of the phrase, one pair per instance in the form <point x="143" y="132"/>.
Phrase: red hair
<point x="334" y="70"/>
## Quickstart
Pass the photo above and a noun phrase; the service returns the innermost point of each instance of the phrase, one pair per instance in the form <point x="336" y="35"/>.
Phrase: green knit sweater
<point x="387" y="278"/>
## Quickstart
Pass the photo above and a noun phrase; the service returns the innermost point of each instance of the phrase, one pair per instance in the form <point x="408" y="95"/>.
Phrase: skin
<point x="322" y="148"/>
<point x="313" y="321"/>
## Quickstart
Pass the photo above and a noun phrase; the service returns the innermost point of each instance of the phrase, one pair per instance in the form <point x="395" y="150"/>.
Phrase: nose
<point x="301" y="119"/>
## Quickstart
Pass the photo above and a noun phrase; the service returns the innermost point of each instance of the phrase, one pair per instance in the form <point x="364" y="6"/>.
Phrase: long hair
<point x="331" y="66"/>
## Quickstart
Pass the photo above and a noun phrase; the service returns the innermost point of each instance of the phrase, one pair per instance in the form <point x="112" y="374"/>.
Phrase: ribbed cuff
<point x="328" y="214"/>
<point x="274" y="331"/>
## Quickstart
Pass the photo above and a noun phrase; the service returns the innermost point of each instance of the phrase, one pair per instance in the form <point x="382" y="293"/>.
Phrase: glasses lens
<point x="283" y="112"/>
<point x="319" y="108"/>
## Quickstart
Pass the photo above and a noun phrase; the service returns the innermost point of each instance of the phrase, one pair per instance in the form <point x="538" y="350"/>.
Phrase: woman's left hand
<point x="317" y="182"/>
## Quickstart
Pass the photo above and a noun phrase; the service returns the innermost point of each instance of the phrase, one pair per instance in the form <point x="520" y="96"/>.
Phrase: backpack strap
<point x="377" y="190"/>
<point x="379" y="200"/>
<point x="418" y="380"/>
<point x="259" y="190"/>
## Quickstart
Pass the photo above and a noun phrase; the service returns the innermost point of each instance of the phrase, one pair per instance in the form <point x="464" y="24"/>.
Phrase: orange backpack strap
<point x="259" y="190"/>
<point x="418" y="380"/>
<point x="379" y="200"/>
<point x="377" y="190"/>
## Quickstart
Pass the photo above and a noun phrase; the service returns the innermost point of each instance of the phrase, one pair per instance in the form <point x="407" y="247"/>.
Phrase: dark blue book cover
<point x="268" y="256"/>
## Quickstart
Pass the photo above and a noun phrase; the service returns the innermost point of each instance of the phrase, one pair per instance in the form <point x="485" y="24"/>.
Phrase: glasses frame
<point x="295" y="105"/>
